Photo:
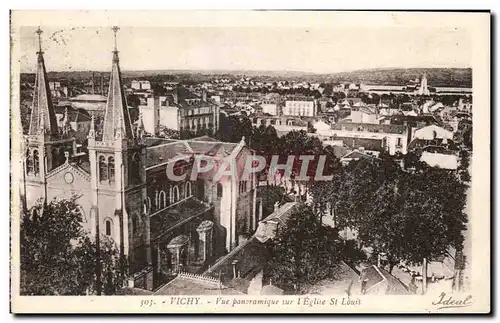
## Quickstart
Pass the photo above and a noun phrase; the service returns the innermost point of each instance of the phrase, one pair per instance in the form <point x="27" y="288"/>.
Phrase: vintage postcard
<point x="250" y="162"/>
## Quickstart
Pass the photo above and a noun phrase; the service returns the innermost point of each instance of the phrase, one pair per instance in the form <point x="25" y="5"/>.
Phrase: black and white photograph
<point x="321" y="165"/>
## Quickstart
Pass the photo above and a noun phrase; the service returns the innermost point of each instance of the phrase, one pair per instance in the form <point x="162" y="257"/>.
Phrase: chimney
<point x="276" y="206"/>
<point x="151" y="102"/>
<point x="176" y="96"/>
<point x="204" y="96"/>
<point x="236" y="273"/>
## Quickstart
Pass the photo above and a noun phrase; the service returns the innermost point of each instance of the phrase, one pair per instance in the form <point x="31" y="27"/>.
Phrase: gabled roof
<point x="76" y="169"/>
<point x="271" y="290"/>
<point x="267" y="227"/>
<point x="356" y="154"/>
<point x="282" y="214"/>
<point x="252" y="256"/>
<point x="379" y="281"/>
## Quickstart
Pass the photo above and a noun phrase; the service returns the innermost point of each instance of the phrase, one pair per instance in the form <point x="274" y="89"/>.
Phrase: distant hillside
<point x="454" y="77"/>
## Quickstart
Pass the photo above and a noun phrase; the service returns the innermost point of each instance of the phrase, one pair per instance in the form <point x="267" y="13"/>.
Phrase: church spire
<point x="42" y="102"/>
<point x="117" y="117"/>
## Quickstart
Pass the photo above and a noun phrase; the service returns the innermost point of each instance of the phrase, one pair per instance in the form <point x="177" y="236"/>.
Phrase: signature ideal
<point x="445" y="301"/>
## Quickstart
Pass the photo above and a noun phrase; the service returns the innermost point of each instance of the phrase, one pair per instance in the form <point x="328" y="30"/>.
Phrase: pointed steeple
<point x="116" y="118"/>
<point x="42" y="107"/>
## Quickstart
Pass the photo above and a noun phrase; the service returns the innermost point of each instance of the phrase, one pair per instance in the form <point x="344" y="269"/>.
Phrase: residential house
<point x="300" y="106"/>
<point x="180" y="110"/>
<point x="379" y="137"/>
<point x="377" y="281"/>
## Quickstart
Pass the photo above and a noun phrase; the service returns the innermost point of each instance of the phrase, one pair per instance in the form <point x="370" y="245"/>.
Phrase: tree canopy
<point x="305" y="252"/>
<point x="59" y="258"/>
<point x="408" y="216"/>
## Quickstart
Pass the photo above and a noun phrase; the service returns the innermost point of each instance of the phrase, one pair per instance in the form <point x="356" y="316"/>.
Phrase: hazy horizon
<point x="292" y="50"/>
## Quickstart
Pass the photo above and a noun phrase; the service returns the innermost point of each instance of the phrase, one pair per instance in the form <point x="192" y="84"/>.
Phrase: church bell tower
<point x="118" y="178"/>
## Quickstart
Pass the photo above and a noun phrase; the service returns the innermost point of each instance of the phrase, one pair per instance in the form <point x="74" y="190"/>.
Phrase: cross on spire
<point x="115" y="30"/>
<point x="39" y="33"/>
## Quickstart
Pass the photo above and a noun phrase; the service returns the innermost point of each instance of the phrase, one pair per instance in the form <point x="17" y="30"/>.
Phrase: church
<point x="160" y="226"/>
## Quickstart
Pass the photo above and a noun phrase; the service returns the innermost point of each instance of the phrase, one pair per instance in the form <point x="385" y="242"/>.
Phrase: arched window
<point x="219" y="190"/>
<point x="176" y="194"/>
<point x="162" y="200"/>
<point x="30" y="164"/>
<point x="111" y="169"/>
<point x="108" y="227"/>
<point x="148" y="204"/>
<point x="187" y="189"/>
<point x="36" y="162"/>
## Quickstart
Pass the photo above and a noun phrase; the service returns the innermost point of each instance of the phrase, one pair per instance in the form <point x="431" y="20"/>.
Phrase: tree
<point x="463" y="167"/>
<point x="269" y="195"/>
<point x="233" y="128"/>
<point x="59" y="258"/>
<point x="264" y="139"/>
<point x="407" y="216"/>
<point x="305" y="252"/>
<point x="133" y="100"/>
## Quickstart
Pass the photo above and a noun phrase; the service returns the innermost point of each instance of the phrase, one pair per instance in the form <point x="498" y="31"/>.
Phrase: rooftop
<point x="266" y="230"/>
<point x="192" y="284"/>
<point x="162" y="150"/>
<point x="252" y="256"/>
<point x="380" y="128"/>
<point x="89" y="97"/>
<point x="379" y="281"/>
<point x="168" y="219"/>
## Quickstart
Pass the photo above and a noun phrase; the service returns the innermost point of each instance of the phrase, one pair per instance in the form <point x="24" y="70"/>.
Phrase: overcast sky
<point x="243" y="48"/>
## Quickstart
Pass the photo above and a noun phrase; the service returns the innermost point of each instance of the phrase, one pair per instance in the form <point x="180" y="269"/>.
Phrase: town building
<point x="57" y="90"/>
<point x="299" y="106"/>
<point x="181" y="110"/>
<point x="377" y="137"/>
<point x="423" y="89"/>
<point x="270" y="107"/>
<point x="140" y="85"/>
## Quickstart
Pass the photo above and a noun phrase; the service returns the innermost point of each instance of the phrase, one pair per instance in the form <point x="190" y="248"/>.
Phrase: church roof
<point x="167" y="149"/>
<point x="43" y="116"/>
<point x="165" y="221"/>
<point x="116" y="112"/>
<point x="163" y="153"/>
